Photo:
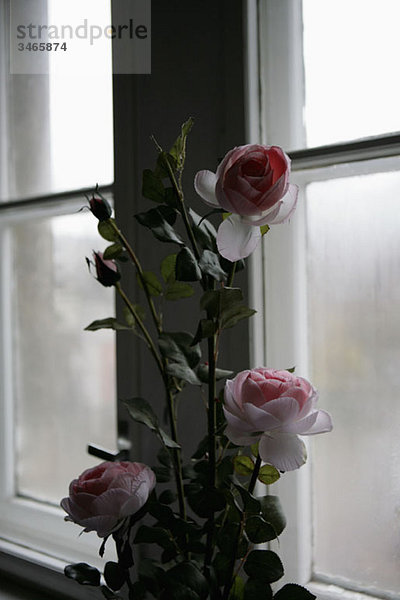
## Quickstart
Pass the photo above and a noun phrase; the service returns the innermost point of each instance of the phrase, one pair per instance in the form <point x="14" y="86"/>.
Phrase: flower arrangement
<point x="205" y="532"/>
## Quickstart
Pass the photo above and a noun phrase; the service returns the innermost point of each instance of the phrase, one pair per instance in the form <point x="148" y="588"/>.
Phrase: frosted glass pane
<point x="65" y="377"/>
<point x="351" y="52"/>
<point x="354" y="299"/>
<point x="60" y="125"/>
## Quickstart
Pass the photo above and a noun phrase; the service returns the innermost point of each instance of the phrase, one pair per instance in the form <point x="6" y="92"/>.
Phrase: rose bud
<point x="272" y="407"/>
<point x="106" y="270"/>
<point x="252" y="182"/>
<point x="100" y="207"/>
<point x="103" y="496"/>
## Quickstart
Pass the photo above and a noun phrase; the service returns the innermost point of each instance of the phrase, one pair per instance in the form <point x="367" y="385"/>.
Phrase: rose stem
<point x="231" y="275"/>
<point x="140" y="273"/>
<point x="142" y="327"/>
<point x="251" y="487"/>
<point x="162" y="368"/>
<point x="212" y="343"/>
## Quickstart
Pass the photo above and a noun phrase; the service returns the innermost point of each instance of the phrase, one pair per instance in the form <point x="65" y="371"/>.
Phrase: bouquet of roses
<point x="208" y="522"/>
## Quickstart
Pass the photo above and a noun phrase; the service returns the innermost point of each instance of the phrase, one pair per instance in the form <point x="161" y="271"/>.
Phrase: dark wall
<point x="197" y="70"/>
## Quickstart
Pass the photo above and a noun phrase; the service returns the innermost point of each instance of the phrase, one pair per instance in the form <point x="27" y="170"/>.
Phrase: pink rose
<point x="104" y="495"/>
<point x="272" y="407"/>
<point x="252" y="182"/>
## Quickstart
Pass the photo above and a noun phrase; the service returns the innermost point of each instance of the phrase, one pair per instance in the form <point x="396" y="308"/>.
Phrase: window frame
<point x="285" y="320"/>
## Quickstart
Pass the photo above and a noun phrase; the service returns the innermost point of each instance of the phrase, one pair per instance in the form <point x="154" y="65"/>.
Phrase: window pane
<point x="65" y="377"/>
<point x="351" y="52"/>
<point x="60" y="125"/>
<point x="354" y="298"/>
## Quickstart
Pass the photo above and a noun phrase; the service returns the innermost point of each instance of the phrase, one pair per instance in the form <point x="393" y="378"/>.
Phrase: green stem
<point x="231" y="574"/>
<point x="211" y="422"/>
<point x="179" y="192"/>
<point x="231" y="275"/>
<point x="140" y="273"/>
<point x="176" y="452"/>
<point x="142" y="328"/>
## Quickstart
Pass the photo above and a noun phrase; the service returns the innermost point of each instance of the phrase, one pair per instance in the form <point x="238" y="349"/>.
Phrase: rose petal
<point x="286" y="410"/>
<point x="284" y="451"/>
<point x="204" y="184"/>
<point x="236" y="239"/>
<point x="322" y="424"/>
<point x="261" y="420"/>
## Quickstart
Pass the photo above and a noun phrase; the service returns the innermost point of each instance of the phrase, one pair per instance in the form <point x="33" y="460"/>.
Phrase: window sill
<point x="30" y="575"/>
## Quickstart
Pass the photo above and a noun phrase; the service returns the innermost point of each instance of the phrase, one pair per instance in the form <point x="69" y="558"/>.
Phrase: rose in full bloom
<point x="104" y="495"/>
<point x="106" y="270"/>
<point x="273" y="407"/>
<point x="252" y="183"/>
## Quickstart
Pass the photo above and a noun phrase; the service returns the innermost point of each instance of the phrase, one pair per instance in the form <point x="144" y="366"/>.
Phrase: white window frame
<point x="279" y="92"/>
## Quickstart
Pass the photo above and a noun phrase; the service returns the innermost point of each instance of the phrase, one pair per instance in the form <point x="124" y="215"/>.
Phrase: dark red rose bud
<point x="106" y="270"/>
<point x="100" y="207"/>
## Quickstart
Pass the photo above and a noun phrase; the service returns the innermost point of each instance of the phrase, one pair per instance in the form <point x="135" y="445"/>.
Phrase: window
<point x="329" y="96"/>
<point x="54" y="375"/>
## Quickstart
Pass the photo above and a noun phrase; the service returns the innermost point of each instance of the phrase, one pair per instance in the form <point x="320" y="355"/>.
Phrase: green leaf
<point x="237" y="589"/>
<point x="151" y="574"/>
<point x="108" y="594"/>
<point x="164" y="159"/>
<point x="141" y="412"/>
<point x="171" y="197"/>
<point x="164" y="457"/>
<point x="235" y="314"/>
<point x="243" y="465"/>
<point x="186" y="268"/>
<point x="166" y="440"/>
<point x="128" y="316"/>
<point x="272" y="511"/>
<point x="178" y="290"/>
<point x="83" y="574"/>
<point x="114" y="575"/>
<point x="225" y="536"/>
<point x="292" y="591"/>
<point x="258" y="530"/>
<point x="109" y="323"/>
<point x="204" y="502"/>
<point x="167" y="268"/>
<point x="202" y="372"/>
<point x="153" y="285"/>
<point x="264" y="229"/>
<point x="152" y="535"/>
<point x="204" y="232"/>
<point x="264" y="565"/>
<point x="185" y="581"/>
<point x="291" y="370"/>
<point x="205" y="329"/>
<point x="159" y="221"/>
<point x="178" y="150"/>
<point x="152" y="186"/>
<point x="177" y="346"/>
<point x="167" y="497"/>
<point x="107" y="231"/>
<point x="210" y="265"/>
<point x="268" y="474"/>
<point x="182" y="371"/>
<point x="113" y="251"/>
<point x="254" y="449"/>
<point x="163" y="474"/>
<point x="255" y="589"/>
<point x="216" y="302"/>
<point x="252" y="505"/>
